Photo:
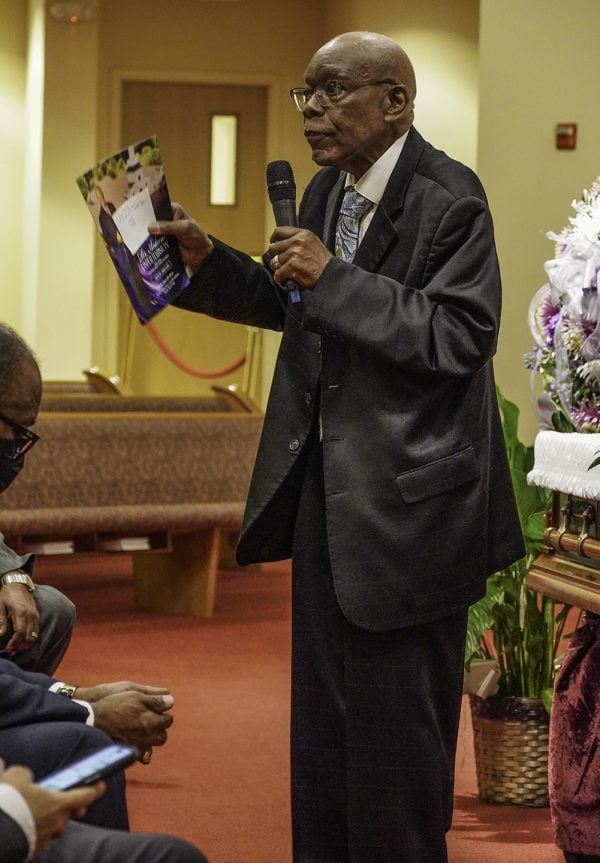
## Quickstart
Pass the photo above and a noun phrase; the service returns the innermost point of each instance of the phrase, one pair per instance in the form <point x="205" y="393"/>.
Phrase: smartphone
<point x="88" y="770"/>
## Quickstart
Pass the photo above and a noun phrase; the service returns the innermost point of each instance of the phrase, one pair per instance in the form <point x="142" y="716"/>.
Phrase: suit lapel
<point x="382" y="231"/>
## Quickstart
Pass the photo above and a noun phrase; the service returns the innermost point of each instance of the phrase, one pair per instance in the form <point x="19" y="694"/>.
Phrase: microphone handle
<point x="285" y="215"/>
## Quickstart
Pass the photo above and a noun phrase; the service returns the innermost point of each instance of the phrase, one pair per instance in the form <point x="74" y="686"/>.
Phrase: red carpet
<point x="222" y="779"/>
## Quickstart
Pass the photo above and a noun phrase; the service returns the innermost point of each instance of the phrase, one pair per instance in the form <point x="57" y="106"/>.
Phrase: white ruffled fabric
<point x="562" y="460"/>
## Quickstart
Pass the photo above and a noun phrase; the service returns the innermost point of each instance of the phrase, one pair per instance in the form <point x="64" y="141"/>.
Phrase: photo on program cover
<point x="124" y="193"/>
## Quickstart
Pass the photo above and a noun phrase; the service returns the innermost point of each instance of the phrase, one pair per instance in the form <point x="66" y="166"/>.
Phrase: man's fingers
<point x="180" y="228"/>
<point x="178" y="212"/>
<point x="160" y="228"/>
<point x="17" y="775"/>
<point x="16" y="644"/>
<point x="159" y="703"/>
<point x="81" y="798"/>
<point x="149" y="690"/>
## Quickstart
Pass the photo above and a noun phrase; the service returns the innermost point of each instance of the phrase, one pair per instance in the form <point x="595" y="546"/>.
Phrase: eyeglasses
<point x="329" y="93"/>
<point x="22" y="440"/>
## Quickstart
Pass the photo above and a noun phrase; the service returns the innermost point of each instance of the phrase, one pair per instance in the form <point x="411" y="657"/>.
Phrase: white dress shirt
<point x="373" y="182"/>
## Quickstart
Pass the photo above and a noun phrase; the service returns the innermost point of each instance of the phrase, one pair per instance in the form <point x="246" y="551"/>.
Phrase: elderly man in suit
<point x="381" y="469"/>
<point x="36" y="621"/>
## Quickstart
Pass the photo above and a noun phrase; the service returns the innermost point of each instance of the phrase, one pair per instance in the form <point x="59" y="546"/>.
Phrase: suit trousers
<point x="48" y="746"/>
<point x="81" y="842"/>
<point x="374" y="715"/>
<point x="57" y="618"/>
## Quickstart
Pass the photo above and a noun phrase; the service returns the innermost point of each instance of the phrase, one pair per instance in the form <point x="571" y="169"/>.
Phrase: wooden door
<point x="180" y="115"/>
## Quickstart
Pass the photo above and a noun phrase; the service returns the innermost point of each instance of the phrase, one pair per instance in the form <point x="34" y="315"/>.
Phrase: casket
<point x="568" y="569"/>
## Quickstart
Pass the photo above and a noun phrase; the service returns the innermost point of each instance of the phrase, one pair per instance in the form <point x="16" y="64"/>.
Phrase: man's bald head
<point x="371" y="56"/>
<point x="360" y="90"/>
<point x="20" y="379"/>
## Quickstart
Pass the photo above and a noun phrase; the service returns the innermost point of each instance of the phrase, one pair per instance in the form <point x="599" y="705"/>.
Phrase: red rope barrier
<point x="186" y="367"/>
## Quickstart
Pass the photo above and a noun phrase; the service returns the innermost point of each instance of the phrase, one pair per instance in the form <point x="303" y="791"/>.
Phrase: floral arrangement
<point x="564" y="319"/>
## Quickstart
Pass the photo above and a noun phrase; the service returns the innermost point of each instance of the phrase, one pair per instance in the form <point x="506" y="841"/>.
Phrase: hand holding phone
<point x="101" y="764"/>
<point x="49" y="809"/>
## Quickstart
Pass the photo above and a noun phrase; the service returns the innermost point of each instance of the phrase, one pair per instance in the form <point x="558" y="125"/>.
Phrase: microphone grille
<point x="281" y="185"/>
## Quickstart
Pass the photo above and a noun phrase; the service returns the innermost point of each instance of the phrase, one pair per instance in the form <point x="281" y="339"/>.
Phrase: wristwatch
<point x="67" y="690"/>
<point x="17" y="576"/>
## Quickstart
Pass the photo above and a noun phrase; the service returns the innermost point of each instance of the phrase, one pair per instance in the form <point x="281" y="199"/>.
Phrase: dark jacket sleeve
<point x="9" y="559"/>
<point x="25" y="699"/>
<point x="13" y="843"/>
<point x="232" y="286"/>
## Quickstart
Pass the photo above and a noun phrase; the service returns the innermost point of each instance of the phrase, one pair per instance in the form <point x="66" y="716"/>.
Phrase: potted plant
<point x="515" y="634"/>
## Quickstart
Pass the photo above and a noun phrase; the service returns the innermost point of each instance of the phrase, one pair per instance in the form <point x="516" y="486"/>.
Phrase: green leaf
<point x="480" y="620"/>
<point x="596" y="461"/>
<point x="547" y="696"/>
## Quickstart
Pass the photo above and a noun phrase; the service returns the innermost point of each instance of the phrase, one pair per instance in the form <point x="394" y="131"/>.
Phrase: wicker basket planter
<point x="511" y="750"/>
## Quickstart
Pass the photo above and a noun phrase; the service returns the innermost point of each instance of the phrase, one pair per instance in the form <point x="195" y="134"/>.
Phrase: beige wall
<point x="538" y="68"/>
<point x="13" y="46"/>
<point x="46" y="249"/>
<point x="64" y="321"/>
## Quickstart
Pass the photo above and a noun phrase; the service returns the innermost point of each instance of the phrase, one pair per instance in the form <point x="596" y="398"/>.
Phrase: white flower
<point x="564" y="319"/>
<point x="590" y="372"/>
<point x="565" y="275"/>
<point x="585" y="237"/>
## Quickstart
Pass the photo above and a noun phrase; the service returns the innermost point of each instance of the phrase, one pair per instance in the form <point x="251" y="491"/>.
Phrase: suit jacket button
<point x="308" y="398"/>
<point x="294" y="444"/>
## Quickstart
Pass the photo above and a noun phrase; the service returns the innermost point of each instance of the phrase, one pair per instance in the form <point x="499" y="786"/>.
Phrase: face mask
<point x="9" y="467"/>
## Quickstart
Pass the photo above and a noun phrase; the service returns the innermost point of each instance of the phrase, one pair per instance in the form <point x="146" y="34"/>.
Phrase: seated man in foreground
<point x="35" y="819"/>
<point x="46" y="724"/>
<point x="36" y="622"/>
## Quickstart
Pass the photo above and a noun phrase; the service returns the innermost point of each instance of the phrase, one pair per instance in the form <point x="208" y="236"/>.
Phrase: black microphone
<point x="281" y="187"/>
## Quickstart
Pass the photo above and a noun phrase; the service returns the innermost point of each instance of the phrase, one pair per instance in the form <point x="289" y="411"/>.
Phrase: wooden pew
<point x="163" y="486"/>
<point x="224" y="399"/>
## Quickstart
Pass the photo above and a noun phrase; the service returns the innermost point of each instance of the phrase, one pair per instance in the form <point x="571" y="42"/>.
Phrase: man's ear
<point x="399" y="104"/>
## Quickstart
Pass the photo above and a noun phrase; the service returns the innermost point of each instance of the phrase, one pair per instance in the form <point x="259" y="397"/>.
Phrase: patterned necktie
<point x="354" y="206"/>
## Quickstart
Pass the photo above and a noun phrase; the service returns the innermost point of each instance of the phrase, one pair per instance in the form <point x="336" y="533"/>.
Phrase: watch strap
<point x="17" y="576"/>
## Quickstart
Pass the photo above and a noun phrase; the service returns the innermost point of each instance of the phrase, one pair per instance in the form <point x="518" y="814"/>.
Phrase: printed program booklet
<point x="124" y="193"/>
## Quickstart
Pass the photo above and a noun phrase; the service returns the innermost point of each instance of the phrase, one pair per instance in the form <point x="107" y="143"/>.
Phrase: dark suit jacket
<point x="24" y="699"/>
<point x="13" y="844"/>
<point x="9" y="559"/>
<point x="395" y="350"/>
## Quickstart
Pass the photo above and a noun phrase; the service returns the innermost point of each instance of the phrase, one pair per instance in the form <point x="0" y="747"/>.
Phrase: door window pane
<point x="223" y="159"/>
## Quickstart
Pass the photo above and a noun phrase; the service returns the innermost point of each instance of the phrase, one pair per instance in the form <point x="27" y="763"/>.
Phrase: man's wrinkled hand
<point x="18" y="610"/>
<point x="299" y="255"/>
<point x="194" y="243"/>
<point x="102" y="690"/>
<point x="50" y="809"/>
<point x="134" y="717"/>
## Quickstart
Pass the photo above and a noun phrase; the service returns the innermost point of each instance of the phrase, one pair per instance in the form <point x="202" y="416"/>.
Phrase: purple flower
<point x="586" y="416"/>
<point x="549" y="317"/>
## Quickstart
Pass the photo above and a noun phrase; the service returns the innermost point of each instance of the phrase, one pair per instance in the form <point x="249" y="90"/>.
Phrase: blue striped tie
<point x="354" y="206"/>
